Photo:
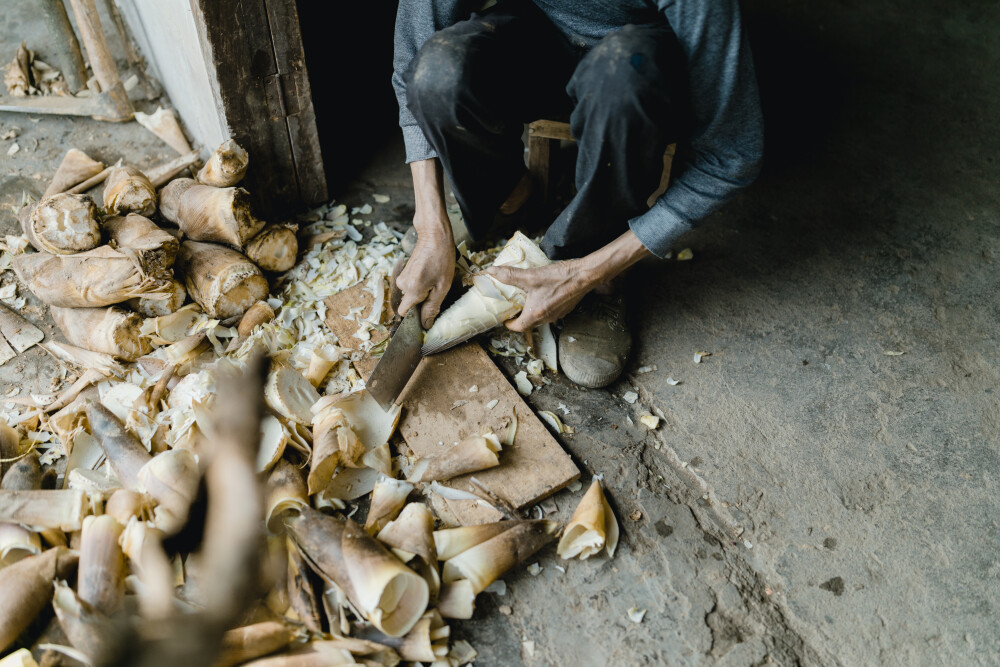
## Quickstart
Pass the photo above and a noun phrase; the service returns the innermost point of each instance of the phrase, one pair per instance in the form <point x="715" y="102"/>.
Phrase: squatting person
<point x="634" y="76"/>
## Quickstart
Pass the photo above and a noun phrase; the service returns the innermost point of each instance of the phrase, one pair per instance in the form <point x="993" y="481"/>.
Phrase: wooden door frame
<point x="255" y="47"/>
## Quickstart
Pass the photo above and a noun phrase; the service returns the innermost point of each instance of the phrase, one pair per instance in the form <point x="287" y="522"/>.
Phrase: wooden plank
<point x="286" y="34"/>
<point x="439" y="408"/>
<point x="539" y="163"/>
<point x="550" y="129"/>
<point x="237" y="40"/>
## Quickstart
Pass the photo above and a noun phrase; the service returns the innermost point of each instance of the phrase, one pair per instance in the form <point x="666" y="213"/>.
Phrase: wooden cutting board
<point x="439" y="408"/>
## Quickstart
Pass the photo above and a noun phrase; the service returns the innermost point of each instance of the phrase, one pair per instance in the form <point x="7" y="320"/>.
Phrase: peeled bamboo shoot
<point x="204" y="213"/>
<point x="222" y="281"/>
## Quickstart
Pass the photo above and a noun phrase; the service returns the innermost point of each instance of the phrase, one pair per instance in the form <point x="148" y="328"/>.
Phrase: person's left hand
<point x="553" y="291"/>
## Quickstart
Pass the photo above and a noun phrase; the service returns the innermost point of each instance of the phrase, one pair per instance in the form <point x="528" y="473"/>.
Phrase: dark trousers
<point x="474" y="85"/>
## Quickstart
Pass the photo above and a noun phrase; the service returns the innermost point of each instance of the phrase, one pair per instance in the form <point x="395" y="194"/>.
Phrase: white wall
<point x="166" y="31"/>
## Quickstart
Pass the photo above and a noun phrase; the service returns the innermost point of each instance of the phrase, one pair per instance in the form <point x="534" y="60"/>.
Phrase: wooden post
<point x="63" y="46"/>
<point x="89" y="23"/>
<point x="131" y="53"/>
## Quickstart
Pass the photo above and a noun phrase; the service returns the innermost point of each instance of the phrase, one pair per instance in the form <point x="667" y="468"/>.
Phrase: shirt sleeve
<point x="726" y="142"/>
<point x="416" y="21"/>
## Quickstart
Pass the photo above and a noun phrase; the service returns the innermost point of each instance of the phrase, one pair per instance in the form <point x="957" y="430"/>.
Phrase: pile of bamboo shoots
<point x="197" y="501"/>
<point x="144" y="252"/>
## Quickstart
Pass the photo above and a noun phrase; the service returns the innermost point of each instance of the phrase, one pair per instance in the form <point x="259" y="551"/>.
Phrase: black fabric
<point x="474" y="85"/>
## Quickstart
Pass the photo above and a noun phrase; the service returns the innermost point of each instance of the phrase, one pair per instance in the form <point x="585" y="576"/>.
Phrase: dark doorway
<point x="348" y="48"/>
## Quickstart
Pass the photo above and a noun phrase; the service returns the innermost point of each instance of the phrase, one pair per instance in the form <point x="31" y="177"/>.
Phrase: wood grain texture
<point x="439" y="408"/>
<point x="256" y="49"/>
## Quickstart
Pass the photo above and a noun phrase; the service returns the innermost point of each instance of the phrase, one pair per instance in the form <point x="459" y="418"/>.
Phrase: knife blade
<point x="398" y="362"/>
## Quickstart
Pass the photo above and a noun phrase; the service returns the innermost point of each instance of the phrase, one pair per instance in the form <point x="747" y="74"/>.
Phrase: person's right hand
<point x="429" y="272"/>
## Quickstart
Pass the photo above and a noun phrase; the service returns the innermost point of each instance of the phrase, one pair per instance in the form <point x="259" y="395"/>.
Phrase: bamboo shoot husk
<point x="592" y="528"/>
<point x="274" y="438"/>
<point x="285" y="492"/>
<point x="101" y="576"/>
<point x="91" y="279"/>
<point x="222" y="281"/>
<point x="86" y="359"/>
<point x="204" y="213"/>
<point x="457" y="600"/>
<point x="16" y="543"/>
<point x="334" y="444"/>
<point x="125" y="452"/>
<point x="253" y="641"/>
<point x="483" y="563"/>
<point x="10" y="449"/>
<point x="390" y="595"/>
<point x="301" y="592"/>
<point x="170" y="300"/>
<point x="163" y="123"/>
<point x="171" y="478"/>
<point x="59" y="509"/>
<point x="257" y="314"/>
<point x="275" y="572"/>
<point x="76" y="167"/>
<point x="374" y="654"/>
<point x="388" y="498"/>
<point x="26" y="587"/>
<point x="226" y="167"/>
<point x="25" y="474"/>
<point x="127" y="190"/>
<point x="20" y="658"/>
<point x="107" y="330"/>
<point x="321" y="361"/>
<point x="290" y="395"/>
<point x="164" y="173"/>
<point x="412" y="533"/>
<point x="88" y="630"/>
<point x="426" y="642"/>
<point x="470" y="455"/>
<point x="488" y="303"/>
<point x="157" y="249"/>
<point x="309" y="657"/>
<point x="274" y="248"/>
<point x="373" y="426"/>
<point x="61" y="224"/>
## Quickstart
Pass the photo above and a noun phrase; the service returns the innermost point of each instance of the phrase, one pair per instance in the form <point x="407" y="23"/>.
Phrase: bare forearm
<point x="608" y="262"/>
<point x="430" y="215"/>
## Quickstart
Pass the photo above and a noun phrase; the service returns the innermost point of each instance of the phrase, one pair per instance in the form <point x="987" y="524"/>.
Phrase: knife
<point x="402" y="354"/>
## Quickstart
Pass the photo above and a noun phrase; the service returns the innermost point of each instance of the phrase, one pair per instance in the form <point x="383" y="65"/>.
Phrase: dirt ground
<point x="809" y="498"/>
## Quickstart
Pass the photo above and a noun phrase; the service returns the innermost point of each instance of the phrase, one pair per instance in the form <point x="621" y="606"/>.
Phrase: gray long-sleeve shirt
<point x="726" y="142"/>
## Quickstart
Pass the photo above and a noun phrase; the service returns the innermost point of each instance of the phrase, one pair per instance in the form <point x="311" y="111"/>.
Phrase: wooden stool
<point x="540" y="135"/>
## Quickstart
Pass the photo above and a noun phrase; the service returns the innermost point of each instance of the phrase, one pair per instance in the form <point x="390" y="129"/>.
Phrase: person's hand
<point x="553" y="291"/>
<point x="428" y="274"/>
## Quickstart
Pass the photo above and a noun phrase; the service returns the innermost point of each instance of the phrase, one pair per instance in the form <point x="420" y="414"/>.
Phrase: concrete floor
<point x="809" y="499"/>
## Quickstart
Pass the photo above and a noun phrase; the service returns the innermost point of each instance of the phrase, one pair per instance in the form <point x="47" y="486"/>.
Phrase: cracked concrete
<point x="808" y="498"/>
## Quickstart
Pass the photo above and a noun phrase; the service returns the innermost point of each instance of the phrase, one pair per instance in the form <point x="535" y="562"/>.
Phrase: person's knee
<point x="436" y="73"/>
<point x="628" y="59"/>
